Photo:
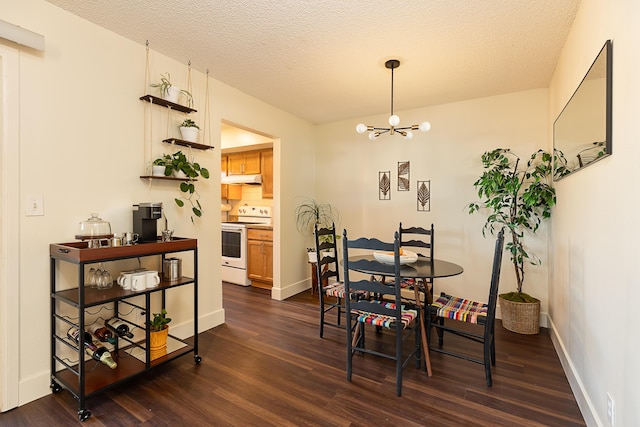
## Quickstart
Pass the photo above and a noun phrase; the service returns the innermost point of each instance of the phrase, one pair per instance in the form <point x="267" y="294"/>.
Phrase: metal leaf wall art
<point x="403" y="176"/>
<point x="424" y="196"/>
<point x="384" y="185"/>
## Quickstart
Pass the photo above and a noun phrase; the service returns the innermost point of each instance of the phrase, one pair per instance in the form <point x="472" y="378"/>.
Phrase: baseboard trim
<point x="585" y="404"/>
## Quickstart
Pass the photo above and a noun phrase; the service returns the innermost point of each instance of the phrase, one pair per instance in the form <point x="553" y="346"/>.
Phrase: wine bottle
<point x="102" y="333"/>
<point x="119" y="327"/>
<point x="93" y="347"/>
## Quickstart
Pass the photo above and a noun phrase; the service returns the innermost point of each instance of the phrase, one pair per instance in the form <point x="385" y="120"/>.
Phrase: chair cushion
<point x="337" y="290"/>
<point x="408" y="316"/>
<point x="461" y="309"/>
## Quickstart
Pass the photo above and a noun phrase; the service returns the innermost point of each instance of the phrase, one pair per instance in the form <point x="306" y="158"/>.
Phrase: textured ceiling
<point x="323" y="60"/>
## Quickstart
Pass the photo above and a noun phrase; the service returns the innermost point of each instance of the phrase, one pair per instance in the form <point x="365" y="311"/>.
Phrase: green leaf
<point x="179" y="202"/>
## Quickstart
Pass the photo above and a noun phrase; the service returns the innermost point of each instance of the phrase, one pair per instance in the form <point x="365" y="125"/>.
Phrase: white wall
<point x="448" y="156"/>
<point x="83" y="145"/>
<point x="594" y="276"/>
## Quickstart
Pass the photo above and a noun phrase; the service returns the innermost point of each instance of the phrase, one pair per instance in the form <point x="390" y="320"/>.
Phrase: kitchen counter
<point x="260" y="226"/>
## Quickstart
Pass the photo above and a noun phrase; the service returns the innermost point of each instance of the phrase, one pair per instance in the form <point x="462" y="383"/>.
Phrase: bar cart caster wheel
<point x="55" y="388"/>
<point x="83" y="414"/>
<point x="197" y="359"/>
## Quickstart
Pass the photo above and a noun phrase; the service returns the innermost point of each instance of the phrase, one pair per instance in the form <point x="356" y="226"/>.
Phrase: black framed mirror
<point x="582" y="131"/>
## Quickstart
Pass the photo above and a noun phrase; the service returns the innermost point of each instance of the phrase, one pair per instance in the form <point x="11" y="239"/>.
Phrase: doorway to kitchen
<point x="247" y="194"/>
<point x="9" y="228"/>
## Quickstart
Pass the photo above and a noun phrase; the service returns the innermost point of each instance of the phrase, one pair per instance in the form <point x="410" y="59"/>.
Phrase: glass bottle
<point x="119" y="327"/>
<point x="93" y="347"/>
<point x="102" y="333"/>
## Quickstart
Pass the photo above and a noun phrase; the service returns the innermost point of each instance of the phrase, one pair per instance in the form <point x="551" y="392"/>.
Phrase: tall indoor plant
<point x="311" y="212"/>
<point x="519" y="197"/>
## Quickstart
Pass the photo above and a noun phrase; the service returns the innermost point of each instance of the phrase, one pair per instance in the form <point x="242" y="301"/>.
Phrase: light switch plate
<point x="35" y="205"/>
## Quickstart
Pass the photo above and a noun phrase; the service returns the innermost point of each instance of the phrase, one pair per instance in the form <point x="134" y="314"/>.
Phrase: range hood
<point x="242" y="179"/>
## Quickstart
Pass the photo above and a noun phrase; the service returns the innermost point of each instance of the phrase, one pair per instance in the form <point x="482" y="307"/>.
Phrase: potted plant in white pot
<point x="518" y="196"/>
<point x="311" y="212"/>
<point x="171" y="92"/>
<point x="189" y="130"/>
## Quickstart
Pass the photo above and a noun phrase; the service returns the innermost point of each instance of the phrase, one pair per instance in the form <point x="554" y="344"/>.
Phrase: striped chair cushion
<point x="337" y="290"/>
<point x="461" y="309"/>
<point x="385" y="321"/>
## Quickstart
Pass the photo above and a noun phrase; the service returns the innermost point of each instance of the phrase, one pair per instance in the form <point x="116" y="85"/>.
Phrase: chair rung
<point x="464" y="334"/>
<point x="458" y="355"/>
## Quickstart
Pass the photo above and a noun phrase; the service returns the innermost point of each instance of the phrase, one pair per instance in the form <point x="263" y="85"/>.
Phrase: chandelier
<point x="394" y="120"/>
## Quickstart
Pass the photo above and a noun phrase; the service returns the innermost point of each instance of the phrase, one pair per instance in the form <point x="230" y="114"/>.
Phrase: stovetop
<point x="252" y="215"/>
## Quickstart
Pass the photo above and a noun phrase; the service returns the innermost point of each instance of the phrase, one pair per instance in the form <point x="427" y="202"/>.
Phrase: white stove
<point x="234" y="242"/>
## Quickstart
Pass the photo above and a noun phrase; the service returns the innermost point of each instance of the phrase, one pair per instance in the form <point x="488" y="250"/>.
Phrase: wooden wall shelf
<point x="163" y="102"/>
<point x="184" y="143"/>
<point x="165" y="178"/>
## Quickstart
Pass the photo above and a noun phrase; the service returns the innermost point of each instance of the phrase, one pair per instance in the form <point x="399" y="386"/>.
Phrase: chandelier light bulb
<point x="394" y="120"/>
<point x="425" y="126"/>
<point x="409" y="135"/>
<point x="372" y="136"/>
<point x="361" y="128"/>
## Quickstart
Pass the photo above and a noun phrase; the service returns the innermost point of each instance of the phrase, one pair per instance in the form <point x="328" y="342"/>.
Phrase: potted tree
<point x="171" y="92"/>
<point x="158" y="333"/>
<point x="311" y="212"/>
<point x="518" y="196"/>
<point x="189" y="130"/>
<point x="177" y="164"/>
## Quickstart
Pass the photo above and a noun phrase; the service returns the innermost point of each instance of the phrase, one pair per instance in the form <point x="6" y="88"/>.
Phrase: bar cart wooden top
<point x="77" y="252"/>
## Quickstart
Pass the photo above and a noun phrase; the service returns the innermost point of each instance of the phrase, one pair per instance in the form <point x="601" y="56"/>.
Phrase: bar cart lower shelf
<point x="132" y="355"/>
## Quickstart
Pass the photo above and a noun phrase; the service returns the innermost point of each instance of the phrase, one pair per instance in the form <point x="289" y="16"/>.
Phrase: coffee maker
<point x="145" y="217"/>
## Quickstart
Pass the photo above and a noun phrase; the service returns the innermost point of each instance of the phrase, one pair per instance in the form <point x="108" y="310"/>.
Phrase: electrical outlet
<point x="611" y="409"/>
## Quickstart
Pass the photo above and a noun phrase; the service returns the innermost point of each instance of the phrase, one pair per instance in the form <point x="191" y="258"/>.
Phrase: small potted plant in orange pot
<point x="158" y="333"/>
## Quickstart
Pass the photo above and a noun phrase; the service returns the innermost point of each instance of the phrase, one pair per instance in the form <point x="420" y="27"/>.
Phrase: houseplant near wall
<point x="518" y="197"/>
<point x="178" y="163"/>
<point x="189" y="130"/>
<point x="311" y="212"/>
<point x="170" y="92"/>
<point x="158" y="333"/>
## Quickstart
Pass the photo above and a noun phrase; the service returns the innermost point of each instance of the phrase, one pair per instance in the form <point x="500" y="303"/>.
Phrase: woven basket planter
<point x="520" y="317"/>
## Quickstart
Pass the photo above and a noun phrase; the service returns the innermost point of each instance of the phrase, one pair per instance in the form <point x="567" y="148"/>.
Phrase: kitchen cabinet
<point x="229" y="192"/>
<point x="71" y="368"/>
<point x="245" y="163"/>
<point x="260" y="257"/>
<point x="266" y="161"/>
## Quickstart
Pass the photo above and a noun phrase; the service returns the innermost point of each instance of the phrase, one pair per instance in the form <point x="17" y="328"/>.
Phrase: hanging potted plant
<point x="189" y="130"/>
<point x="518" y="196"/>
<point x="171" y="92"/>
<point x="158" y="333"/>
<point x="310" y="213"/>
<point x="178" y="165"/>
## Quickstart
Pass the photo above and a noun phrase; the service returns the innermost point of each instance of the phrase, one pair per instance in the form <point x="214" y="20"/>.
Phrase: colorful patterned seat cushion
<point x="461" y="309"/>
<point x="408" y="315"/>
<point x="337" y="290"/>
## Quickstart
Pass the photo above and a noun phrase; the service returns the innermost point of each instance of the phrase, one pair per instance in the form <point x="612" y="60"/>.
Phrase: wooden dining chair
<point x="331" y="291"/>
<point x="390" y="313"/>
<point x="420" y="240"/>
<point x="330" y="288"/>
<point x="460" y="310"/>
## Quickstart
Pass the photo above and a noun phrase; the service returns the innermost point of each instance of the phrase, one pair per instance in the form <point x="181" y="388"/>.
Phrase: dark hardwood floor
<point x="267" y="366"/>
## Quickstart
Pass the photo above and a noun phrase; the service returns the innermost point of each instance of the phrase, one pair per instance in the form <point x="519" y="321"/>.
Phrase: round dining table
<point x="423" y="268"/>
